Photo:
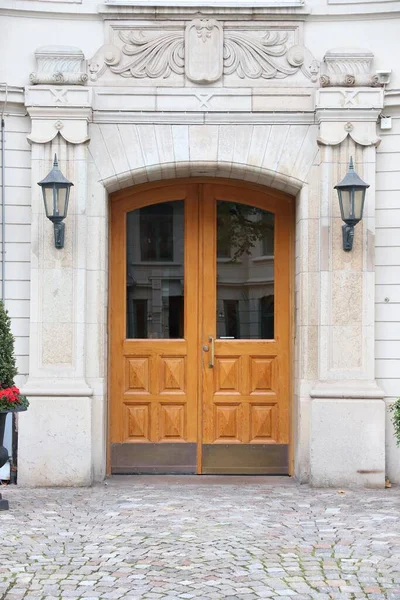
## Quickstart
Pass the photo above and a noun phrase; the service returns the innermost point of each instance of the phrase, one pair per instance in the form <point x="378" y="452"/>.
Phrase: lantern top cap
<point x="351" y="179"/>
<point x="55" y="176"/>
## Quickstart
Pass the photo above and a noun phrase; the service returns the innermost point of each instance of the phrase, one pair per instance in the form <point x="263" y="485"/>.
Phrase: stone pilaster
<point x="347" y="417"/>
<point x="56" y="436"/>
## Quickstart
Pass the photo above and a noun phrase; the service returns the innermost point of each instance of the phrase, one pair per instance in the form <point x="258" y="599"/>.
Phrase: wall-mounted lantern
<point x="55" y="190"/>
<point x="351" y="191"/>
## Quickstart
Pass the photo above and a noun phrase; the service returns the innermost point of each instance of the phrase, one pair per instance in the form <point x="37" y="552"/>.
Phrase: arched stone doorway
<point x="200" y="314"/>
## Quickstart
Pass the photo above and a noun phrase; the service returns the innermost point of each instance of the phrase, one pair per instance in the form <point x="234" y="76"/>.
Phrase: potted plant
<point x="11" y="400"/>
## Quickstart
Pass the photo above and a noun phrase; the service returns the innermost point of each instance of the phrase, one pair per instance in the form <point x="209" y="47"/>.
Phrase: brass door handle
<point x="212" y="342"/>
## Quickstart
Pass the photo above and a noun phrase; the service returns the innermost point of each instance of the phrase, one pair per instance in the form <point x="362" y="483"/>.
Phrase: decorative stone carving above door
<point x="203" y="51"/>
<point x="204" y="46"/>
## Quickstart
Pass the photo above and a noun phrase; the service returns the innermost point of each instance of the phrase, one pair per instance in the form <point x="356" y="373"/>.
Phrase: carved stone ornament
<point x="204" y="53"/>
<point x="343" y="112"/>
<point x="46" y="124"/>
<point x="59" y="65"/>
<point x="349" y="67"/>
<point x="333" y="134"/>
<point x="268" y="58"/>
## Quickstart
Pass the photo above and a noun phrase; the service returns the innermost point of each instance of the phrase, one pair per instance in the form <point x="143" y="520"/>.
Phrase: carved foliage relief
<point x="153" y="58"/>
<point x="204" y="52"/>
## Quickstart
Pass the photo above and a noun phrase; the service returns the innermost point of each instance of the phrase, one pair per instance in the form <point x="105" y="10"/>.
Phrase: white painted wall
<point x="22" y="35"/>
<point x="17" y="238"/>
<point x="17" y="247"/>
<point x="387" y="259"/>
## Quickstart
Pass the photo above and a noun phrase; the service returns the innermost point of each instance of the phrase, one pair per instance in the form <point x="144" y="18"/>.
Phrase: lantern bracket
<point x="348" y="237"/>
<point x="59" y="234"/>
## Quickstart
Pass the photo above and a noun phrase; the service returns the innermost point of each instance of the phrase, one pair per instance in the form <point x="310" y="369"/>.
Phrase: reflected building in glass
<point x="245" y="272"/>
<point x="155" y="271"/>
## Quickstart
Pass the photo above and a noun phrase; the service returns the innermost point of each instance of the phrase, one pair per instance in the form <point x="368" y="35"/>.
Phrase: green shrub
<point x="395" y="410"/>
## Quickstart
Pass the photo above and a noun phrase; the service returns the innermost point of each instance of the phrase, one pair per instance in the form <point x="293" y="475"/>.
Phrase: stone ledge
<point x="353" y="390"/>
<point x="57" y="387"/>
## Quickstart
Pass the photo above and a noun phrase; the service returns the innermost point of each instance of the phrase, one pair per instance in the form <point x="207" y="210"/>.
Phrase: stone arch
<point x="277" y="156"/>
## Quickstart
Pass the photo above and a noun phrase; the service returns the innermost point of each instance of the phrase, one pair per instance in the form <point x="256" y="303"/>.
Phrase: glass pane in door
<point x="155" y="271"/>
<point x="245" y="272"/>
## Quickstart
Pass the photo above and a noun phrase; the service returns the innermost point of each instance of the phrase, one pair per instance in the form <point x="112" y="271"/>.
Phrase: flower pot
<point x="3" y="450"/>
<point x="3" y="454"/>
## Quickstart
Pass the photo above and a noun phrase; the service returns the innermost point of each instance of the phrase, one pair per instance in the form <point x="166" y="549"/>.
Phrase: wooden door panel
<point x="158" y="382"/>
<point x="246" y="392"/>
<point x="154" y="401"/>
<point x="169" y="411"/>
<point x="157" y="379"/>
<point x="248" y="384"/>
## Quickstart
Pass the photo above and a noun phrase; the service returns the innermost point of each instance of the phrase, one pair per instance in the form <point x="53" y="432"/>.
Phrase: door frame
<point x="237" y="183"/>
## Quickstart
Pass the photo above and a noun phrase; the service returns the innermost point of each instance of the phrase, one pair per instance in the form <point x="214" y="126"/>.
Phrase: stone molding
<point x="349" y="67"/>
<point x="54" y="112"/>
<point x="12" y="100"/>
<point x="206" y="3"/>
<point x="58" y="387"/>
<point x="333" y="134"/>
<point x="200" y="104"/>
<point x="60" y="65"/>
<point x="222" y="9"/>
<point x="343" y="113"/>
<point x="392" y="98"/>
<point x="359" y="98"/>
<point x="354" y="390"/>
<point x="203" y="50"/>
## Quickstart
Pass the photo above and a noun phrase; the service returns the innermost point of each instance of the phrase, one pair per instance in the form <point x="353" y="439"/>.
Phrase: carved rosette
<point x="58" y="78"/>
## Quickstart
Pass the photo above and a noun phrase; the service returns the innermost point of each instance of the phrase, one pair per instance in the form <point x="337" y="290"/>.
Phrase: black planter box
<point x="3" y="451"/>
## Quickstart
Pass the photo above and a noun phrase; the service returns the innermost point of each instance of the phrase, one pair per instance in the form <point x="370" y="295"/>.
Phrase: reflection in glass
<point x="155" y="279"/>
<point x="245" y="272"/>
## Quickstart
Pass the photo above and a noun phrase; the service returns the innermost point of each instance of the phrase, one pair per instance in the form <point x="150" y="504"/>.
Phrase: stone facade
<point x="264" y="94"/>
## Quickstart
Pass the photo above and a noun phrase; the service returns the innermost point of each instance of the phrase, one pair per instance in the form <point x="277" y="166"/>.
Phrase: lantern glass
<point x="56" y="201"/>
<point x="351" y="204"/>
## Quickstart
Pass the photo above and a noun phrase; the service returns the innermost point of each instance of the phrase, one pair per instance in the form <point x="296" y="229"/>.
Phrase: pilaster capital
<point x="59" y="110"/>
<point x="351" y="67"/>
<point x="59" y="65"/>
<point x="342" y="112"/>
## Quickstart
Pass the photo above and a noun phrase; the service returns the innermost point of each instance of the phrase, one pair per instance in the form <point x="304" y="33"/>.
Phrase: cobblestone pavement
<point x="169" y="538"/>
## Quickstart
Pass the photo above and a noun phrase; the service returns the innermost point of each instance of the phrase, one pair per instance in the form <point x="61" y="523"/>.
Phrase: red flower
<point x="10" y="394"/>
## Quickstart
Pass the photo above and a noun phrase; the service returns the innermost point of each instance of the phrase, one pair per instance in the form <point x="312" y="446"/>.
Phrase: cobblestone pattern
<point x="169" y="538"/>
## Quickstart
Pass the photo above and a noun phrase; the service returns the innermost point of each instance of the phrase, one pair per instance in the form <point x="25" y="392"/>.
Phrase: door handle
<point x="212" y="342"/>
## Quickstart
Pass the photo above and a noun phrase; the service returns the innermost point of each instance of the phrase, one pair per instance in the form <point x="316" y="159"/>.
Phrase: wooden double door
<point x="199" y="329"/>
